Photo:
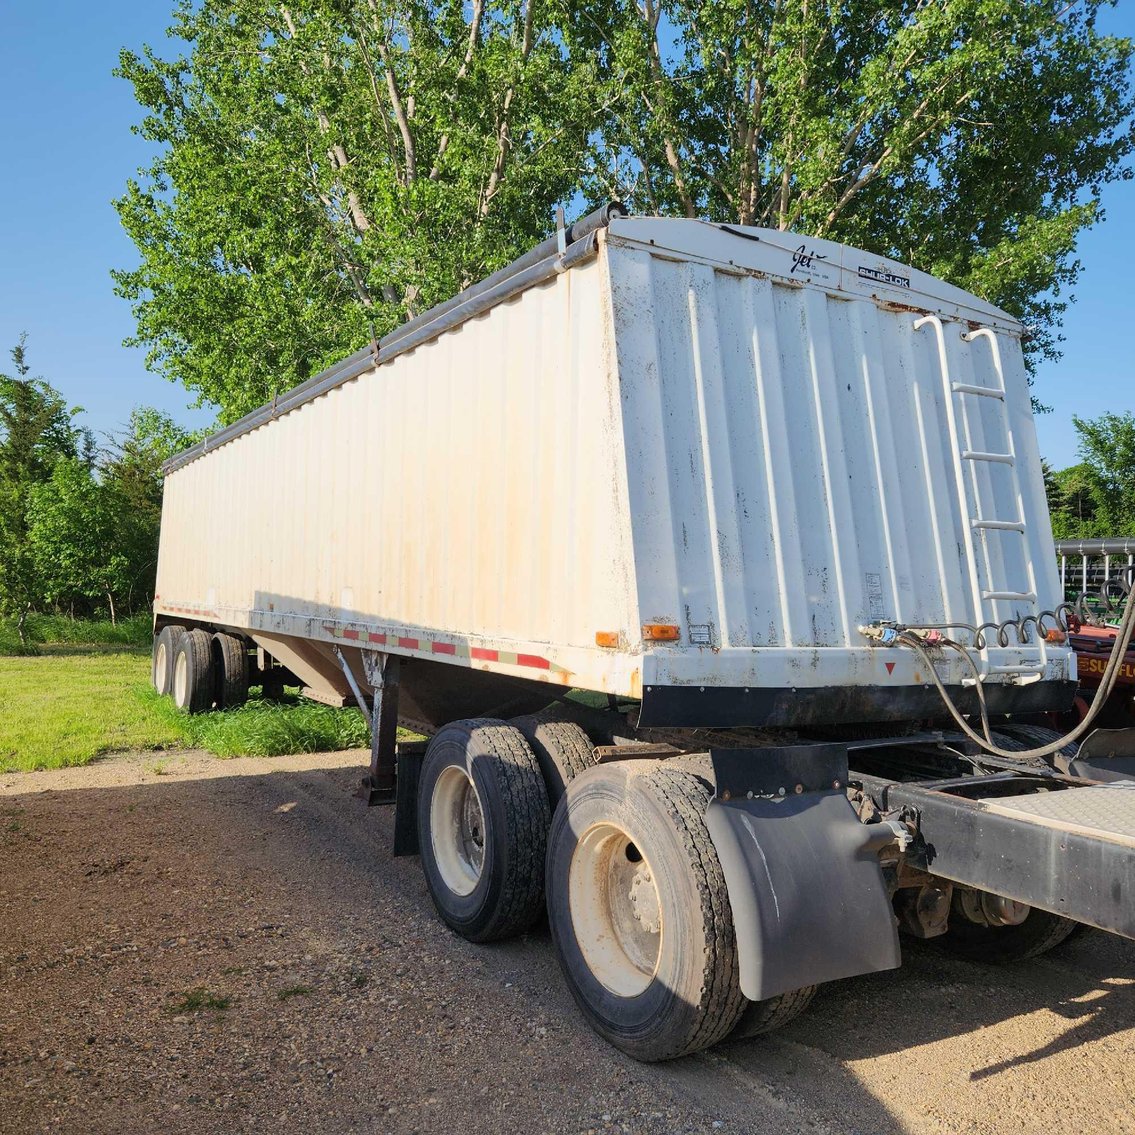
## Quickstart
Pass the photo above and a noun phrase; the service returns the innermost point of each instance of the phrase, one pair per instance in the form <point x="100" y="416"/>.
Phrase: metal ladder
<point x="976" y="519"/>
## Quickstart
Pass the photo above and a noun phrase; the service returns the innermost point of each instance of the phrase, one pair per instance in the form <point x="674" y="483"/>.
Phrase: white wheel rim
<point x="180" y="680"/>
<point x="457" y="830"/>
<point x="160" y="667"/>
<point x="615" y="909"/>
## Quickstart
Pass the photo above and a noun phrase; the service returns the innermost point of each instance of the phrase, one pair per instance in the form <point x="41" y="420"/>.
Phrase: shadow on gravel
<point x="242" y="950"/>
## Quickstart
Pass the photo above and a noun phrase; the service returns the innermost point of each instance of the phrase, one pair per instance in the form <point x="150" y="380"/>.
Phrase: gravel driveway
<point x="196" y="945"/>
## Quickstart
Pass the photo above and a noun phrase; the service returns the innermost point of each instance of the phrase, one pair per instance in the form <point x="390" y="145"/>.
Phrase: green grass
<point x="58" y="630"/>
<point x="265" y="728"/>
<point x="195" y="1000"/>
<point x="293" y="991"/>
<point x="58" y="710"/>
<point x="66" y="709"/>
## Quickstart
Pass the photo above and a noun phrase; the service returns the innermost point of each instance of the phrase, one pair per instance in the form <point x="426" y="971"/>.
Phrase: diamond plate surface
<point x="1107" y="811"/>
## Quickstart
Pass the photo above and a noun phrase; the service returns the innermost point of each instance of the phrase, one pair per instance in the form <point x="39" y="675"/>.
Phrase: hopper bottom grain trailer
<point x="707" y="557"/>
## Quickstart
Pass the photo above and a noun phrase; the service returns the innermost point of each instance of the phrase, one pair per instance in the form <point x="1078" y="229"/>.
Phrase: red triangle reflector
<point x="890" y="667"/>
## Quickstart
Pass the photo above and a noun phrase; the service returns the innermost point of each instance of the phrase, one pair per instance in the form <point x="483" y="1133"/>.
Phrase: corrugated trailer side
<point x="463" y="502"/>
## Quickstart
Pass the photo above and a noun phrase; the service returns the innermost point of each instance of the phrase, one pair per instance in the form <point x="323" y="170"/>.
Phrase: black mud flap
<point x="1105" y="755"/>
<point x="809" y="900"/>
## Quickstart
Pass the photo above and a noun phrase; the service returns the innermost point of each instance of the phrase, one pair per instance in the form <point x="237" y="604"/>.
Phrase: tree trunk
<point x="20" y="623"/>
<point x="110" y="600"/>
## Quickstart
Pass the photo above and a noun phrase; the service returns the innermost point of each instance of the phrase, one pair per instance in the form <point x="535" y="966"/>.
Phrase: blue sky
<point x="65" y="135"/>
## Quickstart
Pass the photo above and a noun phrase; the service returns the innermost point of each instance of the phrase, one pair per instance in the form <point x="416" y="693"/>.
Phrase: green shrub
<point x="59" y="630"/>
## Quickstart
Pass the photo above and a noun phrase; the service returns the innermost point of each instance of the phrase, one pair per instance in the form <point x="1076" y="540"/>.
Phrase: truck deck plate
<point x="1104" y="812"/>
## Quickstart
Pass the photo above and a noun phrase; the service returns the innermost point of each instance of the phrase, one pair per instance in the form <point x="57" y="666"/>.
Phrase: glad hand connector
<point x="885" y="634"/>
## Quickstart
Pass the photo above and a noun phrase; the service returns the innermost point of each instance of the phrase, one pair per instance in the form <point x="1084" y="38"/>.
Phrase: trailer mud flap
<point x="809" y="900"/>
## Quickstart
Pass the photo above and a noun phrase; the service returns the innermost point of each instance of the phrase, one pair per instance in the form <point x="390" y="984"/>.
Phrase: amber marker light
<point x="1055" y="635"/>
<point x="660" y="632"/>
<point x="606" y="638"/>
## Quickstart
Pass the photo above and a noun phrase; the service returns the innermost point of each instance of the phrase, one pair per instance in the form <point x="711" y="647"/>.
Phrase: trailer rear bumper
<point x="709" y="706"/>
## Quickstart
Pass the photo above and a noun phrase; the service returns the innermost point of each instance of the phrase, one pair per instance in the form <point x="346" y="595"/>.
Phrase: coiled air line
<point x="918" y="638"/>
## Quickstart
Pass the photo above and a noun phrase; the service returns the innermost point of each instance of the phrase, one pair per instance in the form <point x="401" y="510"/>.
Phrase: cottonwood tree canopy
<point x="969" y="138"/>
<point x="332" y="167"/>
<point x="328" y="169"/>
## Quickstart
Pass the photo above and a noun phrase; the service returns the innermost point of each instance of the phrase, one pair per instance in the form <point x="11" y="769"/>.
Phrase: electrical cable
<point x="1107" y="684"/>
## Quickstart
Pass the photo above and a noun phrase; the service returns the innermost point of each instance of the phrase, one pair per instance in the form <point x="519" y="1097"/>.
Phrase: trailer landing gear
<point x="379" y="785"/>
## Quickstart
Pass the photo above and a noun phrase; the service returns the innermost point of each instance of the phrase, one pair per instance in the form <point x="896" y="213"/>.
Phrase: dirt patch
<point x="200" y="945"/>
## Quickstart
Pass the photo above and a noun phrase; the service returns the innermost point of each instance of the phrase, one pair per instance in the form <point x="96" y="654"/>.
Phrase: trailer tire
<point x="1034" y="737"/>
<point x="165" y="649"/>
<point x="230" y="661"/>
<point x="765" y="1016"/>
<point x="483" y="817"/>
<point x="639" y="911"/>
<point x="562" y="749"/>
<point x="1002" y="945"/>
<point x="193" y="672"/>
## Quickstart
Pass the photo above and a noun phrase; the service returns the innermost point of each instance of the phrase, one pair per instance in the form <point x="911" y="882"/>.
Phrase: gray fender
<point x="1104" y="755"/>
<point x="809" y="900"/>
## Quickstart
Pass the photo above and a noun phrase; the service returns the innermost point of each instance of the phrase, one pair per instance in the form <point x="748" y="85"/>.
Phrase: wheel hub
<point x="616" y="910"/>
<point x="644" y="902"/>
<point x="457" y="830"/>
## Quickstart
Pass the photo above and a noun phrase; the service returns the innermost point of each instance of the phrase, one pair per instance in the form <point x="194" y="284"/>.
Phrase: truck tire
<point x="193" y="672"/>
<point x="765" y="1016"/>
<point x="562" y="749"/>
<point x="165" y="648"/>
<point x="230" y="662"/>
<point x="1034" y="736"/>
<point x="1000" y="945"/>
<point x="639" y="911"/>
<point x="483" y="821"/>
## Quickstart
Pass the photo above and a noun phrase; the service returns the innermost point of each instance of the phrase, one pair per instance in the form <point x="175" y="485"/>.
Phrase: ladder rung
<point x="975" y="455"/>
<point x="1030" y="596"/>
<point x="984" y="391"/>
<point x="999" y="525"/>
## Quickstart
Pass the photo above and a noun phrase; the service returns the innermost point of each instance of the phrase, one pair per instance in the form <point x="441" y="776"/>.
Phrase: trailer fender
<point x="809" y="900"/>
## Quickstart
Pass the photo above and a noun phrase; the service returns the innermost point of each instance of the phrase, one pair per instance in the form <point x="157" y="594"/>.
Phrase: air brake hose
<point x="1107" y="684"/>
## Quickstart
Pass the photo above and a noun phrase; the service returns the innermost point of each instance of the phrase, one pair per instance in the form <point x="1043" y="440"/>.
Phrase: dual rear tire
<point x="635" y="895"/>
<point x="200" y="669"/>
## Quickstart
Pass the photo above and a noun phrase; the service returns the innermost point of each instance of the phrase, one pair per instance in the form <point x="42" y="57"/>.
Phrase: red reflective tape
<point x="485" y="654"/>
<point x="443" y="648"/>
<point x="408" y="643"/>
<point x="533" y="660"/>
<point x="350" y="634"/>
<point x="377" y="637"/>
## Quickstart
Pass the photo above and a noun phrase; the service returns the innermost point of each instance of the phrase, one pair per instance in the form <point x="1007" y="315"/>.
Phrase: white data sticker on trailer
<point x="875" y="594"/>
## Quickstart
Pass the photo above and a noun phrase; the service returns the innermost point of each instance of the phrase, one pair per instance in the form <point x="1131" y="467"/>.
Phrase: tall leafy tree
<point x="330" y="167"/>
<point x="970" y="138"/>
<point x="1107" y="445"/>
<point x="37" y="431"/>
<point x="78" y="539"/>
<point x="131" y="475"/>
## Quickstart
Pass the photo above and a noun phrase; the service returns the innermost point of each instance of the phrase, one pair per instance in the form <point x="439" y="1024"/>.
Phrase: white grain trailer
<point x="775" y="498"/>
